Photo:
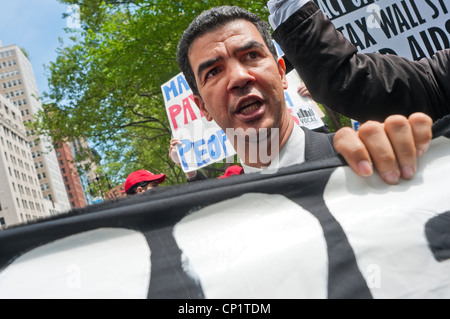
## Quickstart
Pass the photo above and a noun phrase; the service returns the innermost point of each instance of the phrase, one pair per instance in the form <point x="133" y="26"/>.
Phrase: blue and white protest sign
<point x="202" y="142"/>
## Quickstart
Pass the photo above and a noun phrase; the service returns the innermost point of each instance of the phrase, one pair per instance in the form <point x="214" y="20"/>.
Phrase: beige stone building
<point x="21" y="198"/>
<point x="18" y="84"/>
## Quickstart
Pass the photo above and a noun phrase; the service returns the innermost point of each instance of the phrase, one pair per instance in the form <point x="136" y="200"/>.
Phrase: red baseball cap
<point x="232" y="170"/>
<point x="142" y="175"/>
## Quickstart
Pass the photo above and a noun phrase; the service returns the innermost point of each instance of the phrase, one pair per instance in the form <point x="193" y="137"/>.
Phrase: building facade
<point x="71" y="177"/>
<point x="18" y="84"/>
<point x="21" y="199"/>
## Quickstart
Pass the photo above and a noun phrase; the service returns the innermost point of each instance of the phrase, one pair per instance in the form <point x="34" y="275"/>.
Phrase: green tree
<point x="105" y="86"/>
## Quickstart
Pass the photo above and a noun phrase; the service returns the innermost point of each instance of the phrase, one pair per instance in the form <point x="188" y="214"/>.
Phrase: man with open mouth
<point x="230" y="63"/>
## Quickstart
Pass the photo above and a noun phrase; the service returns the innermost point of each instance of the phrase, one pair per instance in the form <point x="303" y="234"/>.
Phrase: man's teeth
<point x="250" y="108"/>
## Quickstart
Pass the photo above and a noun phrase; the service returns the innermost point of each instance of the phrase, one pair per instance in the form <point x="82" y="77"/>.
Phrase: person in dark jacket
<point x="231" y="65"/>
<point x="361" y="86"/>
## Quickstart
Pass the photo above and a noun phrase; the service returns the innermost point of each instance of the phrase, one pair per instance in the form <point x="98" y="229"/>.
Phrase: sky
<point x="34" y="25"/>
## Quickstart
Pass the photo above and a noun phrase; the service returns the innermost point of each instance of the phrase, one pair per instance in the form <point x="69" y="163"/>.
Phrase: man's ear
<point x="282" y="72"/>
<point x="140" y="190"/>
<point x="201" y="105"/>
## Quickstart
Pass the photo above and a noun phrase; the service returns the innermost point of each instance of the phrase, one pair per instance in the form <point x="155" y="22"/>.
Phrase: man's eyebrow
<point x="249" y="45"/>
<point x="206" y="65"/>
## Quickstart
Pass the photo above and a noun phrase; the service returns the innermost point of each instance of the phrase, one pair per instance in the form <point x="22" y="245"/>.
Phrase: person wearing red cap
<point x="141" y="181"/>
<point x="232" y="170"/>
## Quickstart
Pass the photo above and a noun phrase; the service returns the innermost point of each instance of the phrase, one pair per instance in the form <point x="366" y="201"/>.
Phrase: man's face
<point x="240" y="83"/>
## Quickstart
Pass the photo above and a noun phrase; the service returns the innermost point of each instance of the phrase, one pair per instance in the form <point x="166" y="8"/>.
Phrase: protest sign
<point x="202" y="142"/>
<point x="411" y="29"/>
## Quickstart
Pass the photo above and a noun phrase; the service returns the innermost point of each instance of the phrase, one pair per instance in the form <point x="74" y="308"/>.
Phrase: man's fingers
<point x="393" y="146"/>
<point x="374" y="137"/>
<point x="400" y="134"/>
<point x="174" y="142"/>
<point x="421" y="125"/>
<point x="348" y="144"/>
<point x="173" y="152"/>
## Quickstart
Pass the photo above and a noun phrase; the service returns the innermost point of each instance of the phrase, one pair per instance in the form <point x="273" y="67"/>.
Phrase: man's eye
<point x="252" y="55"/>
<point x="212" y="73"/>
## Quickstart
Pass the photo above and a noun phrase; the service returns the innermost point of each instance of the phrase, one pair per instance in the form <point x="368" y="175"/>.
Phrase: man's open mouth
<point x="249" y="107"/>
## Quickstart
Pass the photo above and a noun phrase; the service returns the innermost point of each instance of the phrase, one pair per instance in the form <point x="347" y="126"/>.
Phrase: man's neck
<point x="261" y="152"/>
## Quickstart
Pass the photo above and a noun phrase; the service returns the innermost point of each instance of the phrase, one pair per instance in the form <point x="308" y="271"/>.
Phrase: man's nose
<point x="239" y="76"/>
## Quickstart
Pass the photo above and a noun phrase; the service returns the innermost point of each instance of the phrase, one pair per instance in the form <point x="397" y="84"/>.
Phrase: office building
<point x="21" y="199"/>
<point x="18" y="84"/>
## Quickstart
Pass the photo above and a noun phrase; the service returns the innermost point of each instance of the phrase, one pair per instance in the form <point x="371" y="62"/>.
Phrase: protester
<point x="142" y="180"/>
<point x="363" y="87"/>
<point x="231" y="65"/>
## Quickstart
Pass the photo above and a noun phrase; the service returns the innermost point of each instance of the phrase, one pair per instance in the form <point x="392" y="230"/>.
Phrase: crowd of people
<point x="229" y="60"/>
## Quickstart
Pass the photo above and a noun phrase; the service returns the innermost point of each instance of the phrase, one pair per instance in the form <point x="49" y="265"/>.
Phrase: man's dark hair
<point x="209" y="21"/>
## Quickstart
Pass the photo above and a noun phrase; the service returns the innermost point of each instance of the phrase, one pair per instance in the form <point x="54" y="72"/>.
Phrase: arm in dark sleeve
<point x="361" y="86"/>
